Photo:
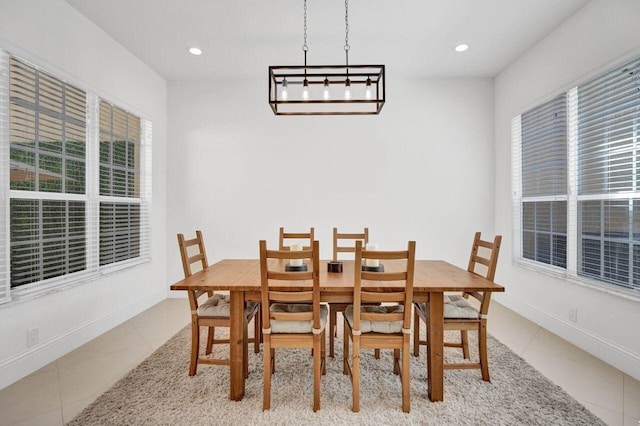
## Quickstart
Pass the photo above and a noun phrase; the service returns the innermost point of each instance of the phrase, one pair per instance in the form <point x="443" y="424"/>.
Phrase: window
<point x="119" y="178"/>
<point x="544" y="183"/>
<point x="78" y="173"/>
<point x="608" y="193"/>
<point x="47" y="156"/>
<point x="576" y="180"/>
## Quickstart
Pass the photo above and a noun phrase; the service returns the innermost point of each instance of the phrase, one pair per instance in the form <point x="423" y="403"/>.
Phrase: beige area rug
<point x="159" y="392"/>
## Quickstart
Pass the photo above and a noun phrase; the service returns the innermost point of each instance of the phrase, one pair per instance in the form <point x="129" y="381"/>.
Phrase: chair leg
<point x="345" y="348"/>
<point x="404" y="377"/>
<point x="211" y="337"/>
<point x="266" y="374"/>
<point x="416" y="333"/>
<point x="245" y="348"/>
<point x="257" y="335"/>
<point x="376" y="353"/>
<point x="355" y="379"/>
<point x="482" y="349"/>
<point x="396" y="361"/>
<point x="273" y="360"/>
<point x="317" y="371"/>
<point x="195" y="346"/>
<point x="465" y="343"/>
<point x="333" y="329"/>
<point x="323" y="351"/>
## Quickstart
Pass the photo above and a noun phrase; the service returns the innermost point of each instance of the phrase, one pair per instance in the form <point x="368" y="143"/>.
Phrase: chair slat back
<point x="295" y="236"/>
<point x="384" y="294"/>
<point x="488" y="257"/>
<point x="484" y="253"/>
<point x="272" y="267"/>
<point x="339" y="247"/>
<point x="189" y="260"/>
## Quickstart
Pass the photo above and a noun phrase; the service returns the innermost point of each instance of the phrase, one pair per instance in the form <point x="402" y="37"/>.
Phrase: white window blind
<point x="47" y="156"/>
<point x="544" y="183"/>
<point x="120" y="182"/>
<point x="608" y="196"/>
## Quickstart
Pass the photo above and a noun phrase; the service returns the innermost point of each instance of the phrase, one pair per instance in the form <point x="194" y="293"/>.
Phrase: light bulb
<point x="305" y="89"/>
<point x="325" y="94"/>
<point x="367" y="94"/>
<point x="347" y="89"/>
<point x="284" y="94"/>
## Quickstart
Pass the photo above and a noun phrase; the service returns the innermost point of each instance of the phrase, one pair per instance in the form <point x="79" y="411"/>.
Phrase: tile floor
<point x="57" y="392"/>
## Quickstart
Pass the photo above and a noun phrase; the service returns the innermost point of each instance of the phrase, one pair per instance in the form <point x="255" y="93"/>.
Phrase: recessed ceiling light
<point x="195" y="51"/>
<point x="461" y="47"/>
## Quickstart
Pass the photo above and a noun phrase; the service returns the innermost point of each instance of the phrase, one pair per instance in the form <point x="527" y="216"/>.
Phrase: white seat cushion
<point x="386" y="327"/>
<point x="455" y="307"/>
<point x="283" y="326"/>
<point x="218" y="306"/>
<point x="459" y="308"/>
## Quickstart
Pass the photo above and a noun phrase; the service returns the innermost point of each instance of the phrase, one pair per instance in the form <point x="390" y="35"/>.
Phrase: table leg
<point x="236" y="335"/>
<point x="435" y="347"/>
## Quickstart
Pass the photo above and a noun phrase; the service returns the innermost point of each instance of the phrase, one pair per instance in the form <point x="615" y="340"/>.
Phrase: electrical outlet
<point x="32" y="337"/>
<point x="573" y="314"/>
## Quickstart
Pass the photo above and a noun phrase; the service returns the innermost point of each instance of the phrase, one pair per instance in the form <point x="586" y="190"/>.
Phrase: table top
<point x="244" y="275"/>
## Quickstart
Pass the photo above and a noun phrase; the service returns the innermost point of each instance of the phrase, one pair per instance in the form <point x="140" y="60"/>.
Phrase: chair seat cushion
<point x="455" y="307"/>
<point x="218" y="306"/>
<point x="283" y="326"/>
<point x="459" y="307"/>
<point x="387" y="327"/>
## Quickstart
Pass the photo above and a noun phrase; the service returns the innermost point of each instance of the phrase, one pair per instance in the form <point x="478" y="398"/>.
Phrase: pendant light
<point x="318" y="94"/>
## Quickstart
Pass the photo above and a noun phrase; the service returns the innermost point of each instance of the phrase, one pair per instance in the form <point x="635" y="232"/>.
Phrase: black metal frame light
<point x="366" y="85"/>
<point x="327" y="89"/>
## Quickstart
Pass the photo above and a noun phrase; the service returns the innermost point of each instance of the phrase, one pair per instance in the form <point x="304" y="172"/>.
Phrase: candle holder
<point x="334" y="266"/>
<point x="295" y="268"/>
<point x="379" y="268"/>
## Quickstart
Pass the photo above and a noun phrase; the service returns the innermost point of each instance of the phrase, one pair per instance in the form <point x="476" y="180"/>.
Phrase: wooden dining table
<point x="432" y="278"/>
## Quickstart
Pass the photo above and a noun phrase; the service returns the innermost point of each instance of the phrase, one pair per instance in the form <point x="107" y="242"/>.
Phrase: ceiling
<point x="241" y="38"/>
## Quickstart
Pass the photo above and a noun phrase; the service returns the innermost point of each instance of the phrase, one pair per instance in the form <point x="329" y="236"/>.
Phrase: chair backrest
<point x="396" y="286"/>
<point x="272" y="271"/>
<point x="295" y="236"/>
<point x="484" y="253"/>
<point x="483" y="261"/>
<point x="351" y="239"/>
<point x="188" y="260"/>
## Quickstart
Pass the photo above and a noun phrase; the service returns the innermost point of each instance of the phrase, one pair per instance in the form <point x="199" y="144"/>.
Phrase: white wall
<point x="56" y="37"/>
<point x="423" y="169"/>
<point x="604" y="32"/>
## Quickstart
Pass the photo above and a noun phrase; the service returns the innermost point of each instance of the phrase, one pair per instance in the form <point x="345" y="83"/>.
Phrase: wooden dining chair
<point x="387" y="326"/>
<point x="343" y="243"/>
<point x="460" y="315"/>
<point x="292" y="316"/>
<point x="295" y="236"/>
<point x="213" y="311"/>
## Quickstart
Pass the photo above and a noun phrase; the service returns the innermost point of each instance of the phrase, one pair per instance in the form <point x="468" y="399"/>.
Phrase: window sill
<point x="563" y="275"/>
<point x="63" y="283"/>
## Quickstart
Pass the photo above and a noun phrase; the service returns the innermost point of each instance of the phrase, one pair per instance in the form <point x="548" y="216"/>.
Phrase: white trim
<point x="5" y="231"/>
<point x="119" y="200"/>
<point x="15" y="368"/>
<point x="41" y="195"/>
<point x="606" y="350"/>
<point x="572" y="181"/>
<point x="92" y="183"/>
<point x="516" y="186"/>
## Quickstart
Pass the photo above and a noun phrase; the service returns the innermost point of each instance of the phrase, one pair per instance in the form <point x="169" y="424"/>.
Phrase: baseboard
<point x="611" y="353"/>
<point x="20" y="366"/>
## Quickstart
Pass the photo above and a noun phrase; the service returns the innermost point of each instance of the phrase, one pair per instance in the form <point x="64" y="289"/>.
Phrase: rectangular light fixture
<point x="327" y="89"/>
